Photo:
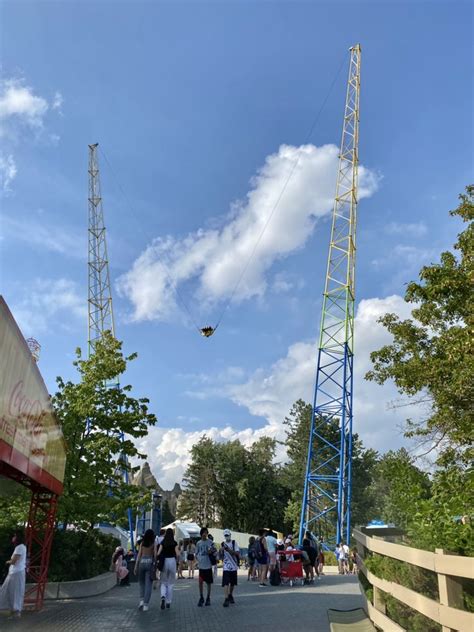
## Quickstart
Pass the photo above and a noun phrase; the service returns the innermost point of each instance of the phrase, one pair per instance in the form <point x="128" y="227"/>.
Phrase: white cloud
<point x="47" y="304"/>
<point x="271" y="391"/>
<point x="8" y="172"/>
<point x="57" y="102"/>
<point x="18" y="102"/>
<point x="22" y="113"/>
<point x="45" y="236"/>
<point x="215" y="258"/>
<point x="417" y="229"/>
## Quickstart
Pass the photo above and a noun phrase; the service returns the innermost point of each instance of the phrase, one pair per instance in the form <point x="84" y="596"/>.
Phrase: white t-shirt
<point x="21" y="563"/>
<point x="342" y="553"/>
<point x="230" y="563"/>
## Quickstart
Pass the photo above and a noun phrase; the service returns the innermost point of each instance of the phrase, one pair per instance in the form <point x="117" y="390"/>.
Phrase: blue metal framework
<point x="100" y="307"/>
<point x="327" y="490"/>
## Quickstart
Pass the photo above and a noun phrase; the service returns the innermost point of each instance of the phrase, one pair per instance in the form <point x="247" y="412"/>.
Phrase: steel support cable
<point x="265" y="226"/>
<point x="282" y="192"/>
<point x="165" y="268"/>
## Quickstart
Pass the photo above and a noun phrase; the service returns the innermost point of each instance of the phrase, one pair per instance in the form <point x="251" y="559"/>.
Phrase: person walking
<point x="321" y="559"/>
<point x="120" y="567"/>
<point x="355" y="561"/>
<point x="213" y="559"/>
<point x="144" y="568"/>
<point x="169" y="552"/>
<point x="182" y="559"/>
<point x="271" y="548"/>
<point x="230" y="554"/>
<point x="205" y="552"/>
<point x="252" y="560"/>
<point x="191" y="559"/>
<point x="12" y="591"/>
<point x="262" y="556"/>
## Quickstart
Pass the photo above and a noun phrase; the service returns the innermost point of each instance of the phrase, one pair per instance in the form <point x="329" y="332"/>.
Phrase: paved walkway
<point x="271" y="609"/>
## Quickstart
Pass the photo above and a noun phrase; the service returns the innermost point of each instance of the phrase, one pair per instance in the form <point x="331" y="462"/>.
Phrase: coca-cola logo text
<point x="30" y="412"/>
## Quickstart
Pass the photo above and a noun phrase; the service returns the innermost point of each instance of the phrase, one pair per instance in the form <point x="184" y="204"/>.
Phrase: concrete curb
<point x="82" y="588"/>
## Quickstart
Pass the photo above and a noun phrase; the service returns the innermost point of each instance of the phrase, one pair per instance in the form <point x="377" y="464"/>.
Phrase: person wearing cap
<point x="230" y="554"/>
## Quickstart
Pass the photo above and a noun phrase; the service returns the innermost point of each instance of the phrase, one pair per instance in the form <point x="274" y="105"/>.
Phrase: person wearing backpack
<point x="230" y="554"/>
<point x="252" y="559"/>
<point x="261" y="550"/>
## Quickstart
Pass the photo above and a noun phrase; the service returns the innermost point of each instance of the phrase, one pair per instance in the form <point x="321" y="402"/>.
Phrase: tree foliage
<point x="431" y="358"/>
<point x="229" y="485"/>
<point x="432" y="355"/>
<point x="94" y="413"/>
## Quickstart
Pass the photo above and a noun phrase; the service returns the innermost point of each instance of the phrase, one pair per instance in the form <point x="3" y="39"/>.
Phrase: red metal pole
<point x="39" y="537"/>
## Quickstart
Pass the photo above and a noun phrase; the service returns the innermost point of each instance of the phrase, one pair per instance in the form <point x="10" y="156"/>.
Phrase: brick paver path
<point x="271" y="609"/>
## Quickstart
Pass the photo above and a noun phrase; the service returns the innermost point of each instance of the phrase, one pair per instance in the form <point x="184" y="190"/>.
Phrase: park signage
<point x="31" y="440"/>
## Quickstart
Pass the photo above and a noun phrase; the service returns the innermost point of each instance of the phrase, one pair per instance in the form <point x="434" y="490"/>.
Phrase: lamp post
<point x="156" y="502"/>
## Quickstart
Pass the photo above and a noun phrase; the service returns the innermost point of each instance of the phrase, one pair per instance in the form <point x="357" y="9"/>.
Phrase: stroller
<point x="291" y="566"/>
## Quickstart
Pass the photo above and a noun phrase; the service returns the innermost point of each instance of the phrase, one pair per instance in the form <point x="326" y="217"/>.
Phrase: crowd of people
<point x="160" y="559"/>
<point x="163" y="559"/>
<point x="266" y="551"/>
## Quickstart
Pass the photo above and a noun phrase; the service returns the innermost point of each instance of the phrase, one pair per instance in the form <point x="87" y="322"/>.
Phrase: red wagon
<point x="291" y="566"/>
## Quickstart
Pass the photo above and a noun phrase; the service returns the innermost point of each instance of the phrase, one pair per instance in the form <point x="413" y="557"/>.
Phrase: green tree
<point x="266" y="495"/>
<point x="93" y="414"/>
<point x="431" y="360"/>
<point x="198" y="500"/>
<point x="166" y="515"/>
<point x="399" y="488"/>
<point x="231" y="484"/>
<point x="363" y="464"/>
<point x="431" y="357"/>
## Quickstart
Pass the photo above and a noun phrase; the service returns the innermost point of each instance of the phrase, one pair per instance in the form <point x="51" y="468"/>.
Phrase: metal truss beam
<point x="327" y="489"/>
<point x="100" y="307"/>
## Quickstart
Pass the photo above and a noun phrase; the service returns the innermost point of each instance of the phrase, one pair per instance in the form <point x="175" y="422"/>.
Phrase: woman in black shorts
<point x="191" y="559"/>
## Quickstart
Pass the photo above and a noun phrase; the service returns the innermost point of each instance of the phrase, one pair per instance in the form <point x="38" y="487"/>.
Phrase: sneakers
<point x="262" y="585"/>
<point x="201" y="602"/>
<point x="226" y="603"/>
<point x="231" y="599"/>
<point x="140" y="605"/>
<point x="208" y="602"/>
<point x="162" y="603"/>
<point x="168" y="605"/>
<point x="145" y="608"/>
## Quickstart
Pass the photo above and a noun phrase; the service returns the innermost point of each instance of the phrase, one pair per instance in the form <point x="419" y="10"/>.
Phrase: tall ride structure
<point x="326" y="506"/>
<point x="101" y="315"/>
<point x="100" y="308"/>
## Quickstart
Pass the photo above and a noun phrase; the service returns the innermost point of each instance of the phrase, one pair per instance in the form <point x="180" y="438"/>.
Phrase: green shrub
<point x="408" y="618"/>
<point x="419" y="579"/>
<point x="80" y="555"/>
<point x="74" y="554"/>
<point x="367" y="587"/>
<point x="329" y="559"/>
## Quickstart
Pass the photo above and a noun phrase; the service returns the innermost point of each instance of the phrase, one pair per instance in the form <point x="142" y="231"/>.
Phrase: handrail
<point x="447" y="612"/>
<point x="456" y="565"/>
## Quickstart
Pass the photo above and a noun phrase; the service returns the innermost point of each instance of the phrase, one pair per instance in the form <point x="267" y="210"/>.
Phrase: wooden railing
<point x="450" y="569"/>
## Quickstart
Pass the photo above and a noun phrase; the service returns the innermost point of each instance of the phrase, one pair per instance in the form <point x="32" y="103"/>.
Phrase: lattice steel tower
<point x="326" y="506"/>
<point x="101" y="315"/>
<point x="100" y="308"/>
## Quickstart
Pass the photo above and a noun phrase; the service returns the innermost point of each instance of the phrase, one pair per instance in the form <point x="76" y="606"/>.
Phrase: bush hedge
<point x="74" y="554"/>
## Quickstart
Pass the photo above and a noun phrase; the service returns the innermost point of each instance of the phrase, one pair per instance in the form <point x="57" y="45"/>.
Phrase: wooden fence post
<point x="450" y="592"/>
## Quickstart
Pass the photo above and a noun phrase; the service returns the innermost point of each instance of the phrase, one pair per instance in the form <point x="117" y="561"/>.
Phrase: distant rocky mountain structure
<point x="145" y="478"/>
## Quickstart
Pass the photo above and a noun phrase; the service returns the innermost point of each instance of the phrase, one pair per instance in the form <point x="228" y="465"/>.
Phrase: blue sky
<point x="200" y="108"/>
